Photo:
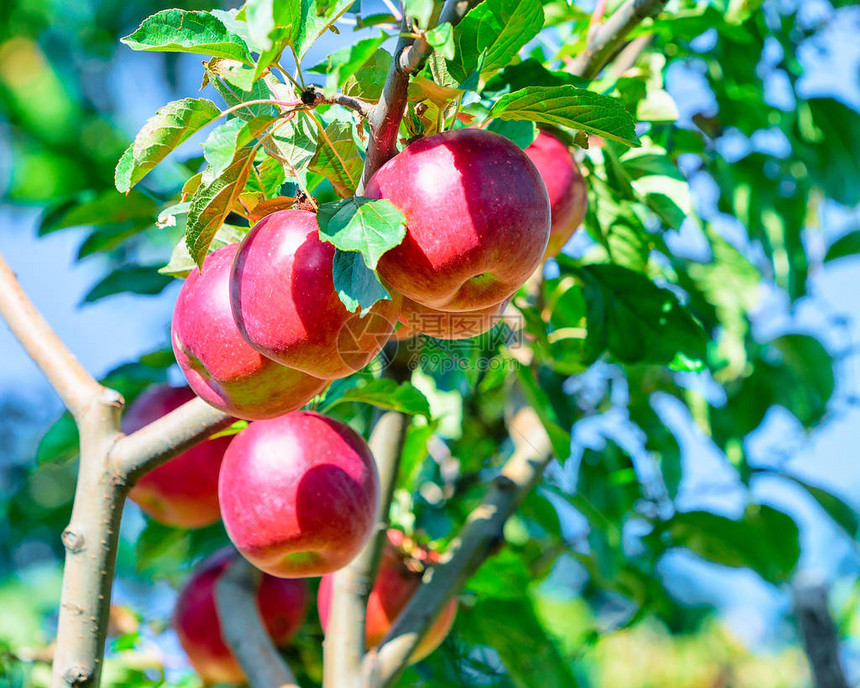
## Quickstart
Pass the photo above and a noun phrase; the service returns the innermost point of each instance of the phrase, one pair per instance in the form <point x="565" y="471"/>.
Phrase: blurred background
<point x="71" y="99"/>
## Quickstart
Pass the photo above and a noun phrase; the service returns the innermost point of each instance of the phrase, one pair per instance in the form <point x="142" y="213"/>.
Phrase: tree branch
<point x="75" y="386"/>
<point x="384" y="120"/>
<point x="243" y="629"/>
<point x="344" y="643"/>
<point x="477" y="540"/>
<point x="820" y="638"/>
<point x="608" y="37"/>
<point x="161" y="440"/>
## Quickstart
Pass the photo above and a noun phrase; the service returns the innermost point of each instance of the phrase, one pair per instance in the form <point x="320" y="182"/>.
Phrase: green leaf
<point x="511" y="627"/>
<point x="521" y="132"/>
<point x="634" y="319"/>
<point x="369" y="79"/>
<point x="419" y="10"/>
<point x="162" y="133"/>
<point x="338" y="158"/>
<point x="108" y="207"/>
<point x="368" y="226"/>
<point x="831" y="149"/>
<point x="442" y="40"/>
<point x="387" y="394"/>
<point x="498" y="28"/>
<point x="181" y="31"/>
<point x="844" y="246"/>
<point x="568" y="106"/>
<point x="529" y="72"/>
<point x="343" y="63"/>
<point x="60" y="443"/>
<point x="135" y="279"/>
<point x="356" y="285"/>
<point x="843" y="514"/>
<point x="541" y="402"/>
<point x="181" y="263"/>
<point x="765" y="540"/>
<point x="213" y="201"/>
<point x="315" y="23"/>
<point x="220" y="147"/>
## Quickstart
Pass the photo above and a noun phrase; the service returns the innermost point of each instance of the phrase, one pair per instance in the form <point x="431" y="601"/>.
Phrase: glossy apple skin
<point x="282" y="604"/>
<point x="299" y="494"/>
<point x="220" y="366"/>
<point x="184" y="491"/>
<point x="418" y="319"/>
<point x="477" y="216"/>
<point x="285" y="304"/>
<point x="394" y="586"/>
<point x="565" y="186"/>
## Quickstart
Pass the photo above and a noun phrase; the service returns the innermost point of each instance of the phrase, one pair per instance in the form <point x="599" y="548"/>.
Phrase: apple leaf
<point x="343" y="63"/>
<point x="521" y="132"/>
<point x="766" y="540"/>
<point x="368" y="80"/>
<point x="843" y="247"/>
<point x="843" y="514"/>
<point x="107" y="207"/>
<point x="161" y="134"/>
<point x="442" y="40"/>
<point x="386" y="394"/>
<point x="61" y="442"/>
<point x="569" y="106"/>
<point x="337" y="158"/>
<point x="182" y="31"/>
<point x="357" y="286"/>
<point x="219" y="149"/>
<point x="633" y="319"/>
<point x="370" y="227"/>
<point x="213" y="201"/>
<point x="181" y="263"/>
<point x="133" y="279"/>
<point x="498" y="28"/>
<point x="419" y="10"/>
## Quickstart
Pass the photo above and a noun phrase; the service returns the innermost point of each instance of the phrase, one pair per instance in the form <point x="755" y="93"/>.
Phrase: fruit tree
<point x="459" y="286"/>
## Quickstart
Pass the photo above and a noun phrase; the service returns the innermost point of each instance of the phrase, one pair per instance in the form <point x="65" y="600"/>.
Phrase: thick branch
<point x="344" y="644"/>
<point x="161" y="440"/>
<point x="409" y="57"/>
<point x="75" y="386"/>
<point x="243" y="629"/>
<point x="820" y="638"/>
<point x="482" y="532"/>
<point x="608" y="38"/>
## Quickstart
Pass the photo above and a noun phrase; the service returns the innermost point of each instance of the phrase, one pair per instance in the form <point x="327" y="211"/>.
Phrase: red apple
<point x="282" y="604"/>
<point x="184" y="491"/>
<point x="298" y="494"/>
<point x="397" y="580"/>
<point x="418" y="319"/>
<point x="286" y="307"/>
<point x="477" y="216"/>
<point x="218" y="363"/>
<point x="565" y="186"/>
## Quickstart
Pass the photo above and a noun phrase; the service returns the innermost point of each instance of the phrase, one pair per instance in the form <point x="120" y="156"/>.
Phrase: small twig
<point x="605" y="39"/>
<point x="480" y="535"/>
<point x="820" y="638"/>
<point x="75" y="386"/>
<point x="243" y="629"/>
<point x="362" y="107"/>
<point x="344" y="644"/>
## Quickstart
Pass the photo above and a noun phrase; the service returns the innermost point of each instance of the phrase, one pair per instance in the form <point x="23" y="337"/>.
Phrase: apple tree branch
<point x="244" y="631"/>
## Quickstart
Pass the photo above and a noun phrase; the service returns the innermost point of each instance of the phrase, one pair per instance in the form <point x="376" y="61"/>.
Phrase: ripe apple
<point x="418" y="319"/>
<point x="399" y="576"/>
<point x="218" y="363"/>
<point x="477" y="219"/>
<point x="282" y="603"/>
<point x="184" y="491"/>
<point x="564" y="184"/>
<point x="298" y="494"/>
<point x="286" y="307"/>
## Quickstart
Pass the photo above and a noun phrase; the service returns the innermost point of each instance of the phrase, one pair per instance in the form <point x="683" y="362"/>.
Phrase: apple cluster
<point x="261" y="330"/>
